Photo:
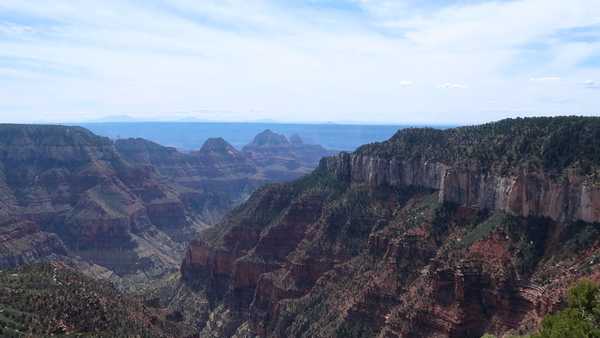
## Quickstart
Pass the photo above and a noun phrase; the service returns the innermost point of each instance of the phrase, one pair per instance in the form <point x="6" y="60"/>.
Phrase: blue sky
<point x="377" y="61"/>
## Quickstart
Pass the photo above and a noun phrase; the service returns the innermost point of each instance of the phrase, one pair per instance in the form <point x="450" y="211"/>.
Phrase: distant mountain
<point x="218" y="146"/>
<point x="280" y="157"/>
<point x="218" y="151"/>
<point x="212" y="160"/>
<point x="222" y="172"/>
<point x="117" y="118"/>
<point x="432" y="233"/>
<point x="296" y="139"/>
<point x="214" y="178"/>
<point x="189" y="136"/>
<point x="268" y="139"/>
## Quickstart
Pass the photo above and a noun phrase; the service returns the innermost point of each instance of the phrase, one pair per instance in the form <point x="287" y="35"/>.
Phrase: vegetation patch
<point x="553" y="144"/>
<point x="484" y="229"/>
<point x="580" y="319"/>
<point x="52" y="300"/>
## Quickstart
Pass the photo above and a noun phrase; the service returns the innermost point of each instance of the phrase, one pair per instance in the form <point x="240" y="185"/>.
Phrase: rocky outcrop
<point x="280" y="157"/>
<point x="218" y="152"/>
<point x="448" y="235"/>
<point x="526" y="193"/>
<point x="218" y="177"/>
<point x="124" y="211"/>
<point x="268" y="138"/>
<point x="216" y="159"/>
<point x="74" y="195"/>
<point x="24" y="243"/>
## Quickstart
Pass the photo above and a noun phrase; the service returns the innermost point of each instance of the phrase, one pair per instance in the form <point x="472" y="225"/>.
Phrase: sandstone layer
<point x="122" y="210"/>
<point x="431" y="234"/>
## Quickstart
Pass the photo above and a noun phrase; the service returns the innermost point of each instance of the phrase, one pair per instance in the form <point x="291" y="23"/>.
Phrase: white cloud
<point x="268" y="59"/>
<point x="449" y="85"/>
<point x="590" y="84"/>
<point x="545" y="79"/>
<point x="9" y="29"/>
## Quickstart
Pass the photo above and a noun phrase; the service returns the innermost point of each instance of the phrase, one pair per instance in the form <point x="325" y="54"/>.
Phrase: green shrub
<point x="581" y="318"/>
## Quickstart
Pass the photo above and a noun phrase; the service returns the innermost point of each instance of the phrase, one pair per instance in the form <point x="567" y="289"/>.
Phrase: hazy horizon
<point x="188" y="136"/>
<point x="110" y="119"/>
<point x="318" y="61"/>
<point x="127" y="119"/>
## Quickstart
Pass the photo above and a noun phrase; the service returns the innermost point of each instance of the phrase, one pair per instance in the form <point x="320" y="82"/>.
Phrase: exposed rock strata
<point x="218" y="177"/>
<point x="24" y="243"/>
<point x="414" y="237"/>
<point x="527" y="193"/>
<point x="75" y="196"/>
<point x="124" y="209"/>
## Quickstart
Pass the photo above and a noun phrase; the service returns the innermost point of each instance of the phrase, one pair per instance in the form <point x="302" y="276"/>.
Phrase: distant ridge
<point x="268" y="138"/>
<point x="191" y="136"/>
<point x="218" y="145"/>
<point x="296" y="139"/>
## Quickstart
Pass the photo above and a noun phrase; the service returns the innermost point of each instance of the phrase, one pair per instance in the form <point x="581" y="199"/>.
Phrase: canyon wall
<point x="126" y="208"/>
<point x="567" y="197"/>
<point x="430" y="234"/>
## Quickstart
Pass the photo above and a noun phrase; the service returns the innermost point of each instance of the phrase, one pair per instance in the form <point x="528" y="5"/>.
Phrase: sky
<point x="365" y="61"/>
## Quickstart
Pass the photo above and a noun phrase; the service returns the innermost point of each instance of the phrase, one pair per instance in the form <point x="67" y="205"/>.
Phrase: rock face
<point x="74" y="195"/>
<point x="211" y="181"/>
<point x="216" y="159"/>
<point x="123" y="209"/>
<point x="218" y="177"/>
<point x="431" y="234"/>
<point x="24" y="243"/>
<point x="529" y="192"/>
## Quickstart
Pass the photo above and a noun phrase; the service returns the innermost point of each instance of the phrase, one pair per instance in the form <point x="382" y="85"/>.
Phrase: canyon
<point x="433" y="233"/>
<point x="121" y="210"/>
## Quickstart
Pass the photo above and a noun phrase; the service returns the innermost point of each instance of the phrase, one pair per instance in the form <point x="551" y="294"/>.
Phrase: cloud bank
<point x="321" y="60"/>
